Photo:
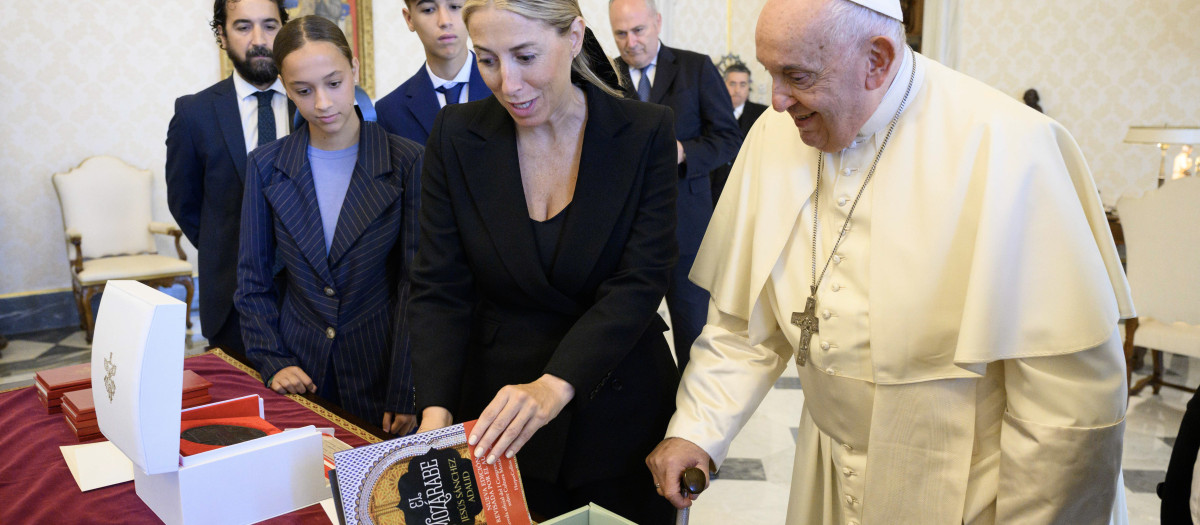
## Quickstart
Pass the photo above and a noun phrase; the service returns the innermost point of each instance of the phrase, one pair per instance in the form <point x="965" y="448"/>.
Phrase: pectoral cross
<point x="807" y="322"/>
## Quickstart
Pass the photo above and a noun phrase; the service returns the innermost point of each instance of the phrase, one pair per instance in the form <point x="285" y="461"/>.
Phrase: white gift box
<point x="592" y="514"/>
<point x="137" y="374"/>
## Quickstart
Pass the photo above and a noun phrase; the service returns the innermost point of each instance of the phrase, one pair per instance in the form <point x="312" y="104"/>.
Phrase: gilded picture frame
<point x="354" y="17"/>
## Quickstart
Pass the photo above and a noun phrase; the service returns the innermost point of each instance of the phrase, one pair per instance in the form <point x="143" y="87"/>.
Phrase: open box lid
<point x="137" y="373"/>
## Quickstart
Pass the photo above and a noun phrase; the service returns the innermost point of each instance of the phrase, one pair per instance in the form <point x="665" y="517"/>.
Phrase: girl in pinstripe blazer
<point x="335" y="202"/>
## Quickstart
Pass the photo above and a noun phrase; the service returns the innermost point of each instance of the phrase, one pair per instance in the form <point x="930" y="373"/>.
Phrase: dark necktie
<point x="643" y="87"/>
<point x="266" y="117"/>
<point x="451" y="91"/>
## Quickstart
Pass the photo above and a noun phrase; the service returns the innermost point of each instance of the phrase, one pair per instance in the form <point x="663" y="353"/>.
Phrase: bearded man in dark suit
<point x="207" y="143"/>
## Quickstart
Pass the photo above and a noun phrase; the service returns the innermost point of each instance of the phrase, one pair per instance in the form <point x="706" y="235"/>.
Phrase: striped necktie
<point x="643" y="87"/>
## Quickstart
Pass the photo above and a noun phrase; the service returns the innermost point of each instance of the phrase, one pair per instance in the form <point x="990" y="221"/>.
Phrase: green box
<point x="592" y="514"/>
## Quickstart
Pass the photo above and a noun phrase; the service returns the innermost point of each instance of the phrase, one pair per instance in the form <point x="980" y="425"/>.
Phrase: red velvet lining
<point x="188" y="448"/>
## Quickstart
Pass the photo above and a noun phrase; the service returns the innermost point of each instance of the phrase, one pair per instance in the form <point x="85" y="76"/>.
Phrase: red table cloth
<point x="37" y="487"/>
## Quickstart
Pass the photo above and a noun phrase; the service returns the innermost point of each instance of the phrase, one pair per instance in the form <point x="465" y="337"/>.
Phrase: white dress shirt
<point x="463" y="77"/>
<point x="737" y="112"/>
<point x="248" y="108"/>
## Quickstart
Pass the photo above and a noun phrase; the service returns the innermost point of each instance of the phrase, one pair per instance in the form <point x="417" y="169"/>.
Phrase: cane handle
<point x="692" y="481"/>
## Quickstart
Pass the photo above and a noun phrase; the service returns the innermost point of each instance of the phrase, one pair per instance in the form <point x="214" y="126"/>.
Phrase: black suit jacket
<point x="485" y="314"/>
<point x="409" y="109"/>
<point x="689" y="83"/>
<point x="206" y="170"/>
<point x="750" y="114"/>
<point x="346" y="302"/>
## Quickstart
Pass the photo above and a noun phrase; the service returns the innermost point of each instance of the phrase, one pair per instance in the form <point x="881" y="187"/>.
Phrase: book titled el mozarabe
<point x="427" y="479"/>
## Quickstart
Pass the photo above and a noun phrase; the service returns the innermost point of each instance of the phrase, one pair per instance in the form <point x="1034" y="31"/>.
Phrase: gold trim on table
<point x="318" y="409"/>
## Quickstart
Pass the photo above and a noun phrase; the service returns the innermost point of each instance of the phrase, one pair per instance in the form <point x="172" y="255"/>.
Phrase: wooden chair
<point x="1162" y="249"/>
<point x="106" y="203"/>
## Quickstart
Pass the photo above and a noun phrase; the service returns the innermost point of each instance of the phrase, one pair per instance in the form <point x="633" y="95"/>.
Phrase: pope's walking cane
<point x="690" y="482"/>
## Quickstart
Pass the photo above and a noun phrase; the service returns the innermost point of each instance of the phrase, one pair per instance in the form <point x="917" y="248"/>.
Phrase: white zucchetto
<point x="885" y="7"/>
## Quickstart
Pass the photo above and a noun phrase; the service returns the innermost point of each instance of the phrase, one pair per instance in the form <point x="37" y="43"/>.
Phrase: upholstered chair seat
<point x="136" y="267"/>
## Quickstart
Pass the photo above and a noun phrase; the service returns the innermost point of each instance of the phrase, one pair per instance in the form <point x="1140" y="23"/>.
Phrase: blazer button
<point x="329" y="291"/>
<point x="330" y="332"/>
<point x="616" y="384"/>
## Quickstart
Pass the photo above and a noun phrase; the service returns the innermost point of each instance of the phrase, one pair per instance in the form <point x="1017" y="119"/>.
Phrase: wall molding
<point x="25" y="312"/>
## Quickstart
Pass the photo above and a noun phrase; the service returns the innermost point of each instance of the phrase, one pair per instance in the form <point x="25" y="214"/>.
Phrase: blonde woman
<point x="548" y="238"/>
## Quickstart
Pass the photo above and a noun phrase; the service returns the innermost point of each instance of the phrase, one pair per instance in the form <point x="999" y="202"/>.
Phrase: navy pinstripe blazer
<point x="349" y="303"/>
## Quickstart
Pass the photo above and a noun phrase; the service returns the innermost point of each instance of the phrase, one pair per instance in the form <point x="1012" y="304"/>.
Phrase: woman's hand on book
<point x="292" y="380"/>
<point x="516" y="413"/>
<point x="433" y="418"/>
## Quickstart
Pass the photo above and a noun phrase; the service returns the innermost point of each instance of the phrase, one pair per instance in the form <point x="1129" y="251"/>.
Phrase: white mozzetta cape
<point x="988" y="242"/>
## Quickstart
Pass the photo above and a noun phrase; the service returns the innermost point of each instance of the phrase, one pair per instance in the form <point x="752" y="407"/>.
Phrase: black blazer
<point x="689" y="83"/>
<point x="750" y="114"/>
<point x="205" y="173"/>
<point x="345" y="303"/>
<point x="485" y="314"/>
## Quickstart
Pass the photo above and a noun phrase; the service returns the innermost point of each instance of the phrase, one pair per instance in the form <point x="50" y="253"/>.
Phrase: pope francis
<point x="933" y="257"/>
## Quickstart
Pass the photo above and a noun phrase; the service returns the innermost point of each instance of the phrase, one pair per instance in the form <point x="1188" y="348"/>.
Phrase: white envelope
<point x="97" y="465"/>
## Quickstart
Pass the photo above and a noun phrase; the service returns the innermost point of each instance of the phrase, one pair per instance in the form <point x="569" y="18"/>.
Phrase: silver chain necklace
<point x="807" y="320"/>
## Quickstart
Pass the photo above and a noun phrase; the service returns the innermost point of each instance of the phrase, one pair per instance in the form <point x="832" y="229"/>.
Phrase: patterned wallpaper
<point x="1099" y="66"/>
<point x="699" y="25"/>
<point x="398" y="53"/>
<point x="82" y="80"/>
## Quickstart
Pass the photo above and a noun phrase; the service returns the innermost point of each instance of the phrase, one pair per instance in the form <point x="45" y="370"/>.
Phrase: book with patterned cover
<point x="427" y="478"/>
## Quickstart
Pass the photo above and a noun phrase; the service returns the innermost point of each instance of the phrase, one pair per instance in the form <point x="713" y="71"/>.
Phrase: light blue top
<point x="331" y="171"/>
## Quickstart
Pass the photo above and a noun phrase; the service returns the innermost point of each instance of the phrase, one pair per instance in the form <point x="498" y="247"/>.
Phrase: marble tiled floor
<point x="28" y="353"/>
<point x="752" y="487"/>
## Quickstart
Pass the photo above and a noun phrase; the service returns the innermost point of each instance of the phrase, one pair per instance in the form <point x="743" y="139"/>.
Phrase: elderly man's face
<point x="820" y="84"/>
<point x="635" y="28"/>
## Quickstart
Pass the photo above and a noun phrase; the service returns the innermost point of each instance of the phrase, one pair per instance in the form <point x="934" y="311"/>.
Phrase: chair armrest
<point x="75" y="238"/>
<point x="174" y="231"/>
<point x="164" y="228"/>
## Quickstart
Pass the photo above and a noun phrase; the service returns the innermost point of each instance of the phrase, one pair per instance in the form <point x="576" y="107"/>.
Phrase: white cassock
<point x="968" y="367"/>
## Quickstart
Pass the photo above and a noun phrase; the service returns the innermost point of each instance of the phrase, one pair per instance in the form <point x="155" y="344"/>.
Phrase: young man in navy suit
<point x="706" y="136"/>
<point x="449" y="75"/>
<point x="737" y="81"/>
<point x="207" y="142"/>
